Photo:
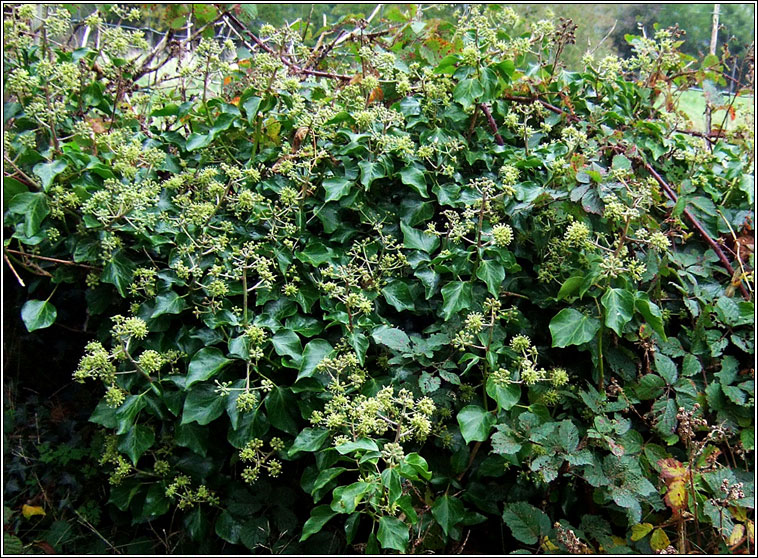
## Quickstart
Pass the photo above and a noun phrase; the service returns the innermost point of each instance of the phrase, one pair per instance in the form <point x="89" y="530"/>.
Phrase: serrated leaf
<point x="393" y="338"/>
<point x="527" y="523"/>
<point x="659" y="540"/>
<point x="640" y="530"/>
<point x="571" y="327"/>
<point x="665" y="367"/>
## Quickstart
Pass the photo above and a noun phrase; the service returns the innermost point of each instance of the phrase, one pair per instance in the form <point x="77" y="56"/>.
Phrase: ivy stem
<point x="601" y="379"/>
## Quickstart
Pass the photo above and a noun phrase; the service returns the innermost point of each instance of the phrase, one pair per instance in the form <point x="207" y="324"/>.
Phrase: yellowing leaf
<point x="640" y="530"/>
<point x="659" y="540"/>
<point x="29" y="511"/>
<point x="549" y="547"/>
<point x="737" y="534"/>
<point x="751" y="532"/>
<point x="676" y="495"/>
<point x="671" y="470"/>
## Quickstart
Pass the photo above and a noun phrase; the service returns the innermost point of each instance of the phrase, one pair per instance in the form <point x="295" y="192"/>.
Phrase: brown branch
<point x="698" y="226"/>
<point x="548" y="106"/>
<point x="492" y="123"/>
<point x="294" y="67"/>
<point x="18" y="278"/>
<point x="54" y="260"/>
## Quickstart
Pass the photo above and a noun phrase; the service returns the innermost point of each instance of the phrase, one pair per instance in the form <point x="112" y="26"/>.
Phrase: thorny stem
<point x="698" y="226"/>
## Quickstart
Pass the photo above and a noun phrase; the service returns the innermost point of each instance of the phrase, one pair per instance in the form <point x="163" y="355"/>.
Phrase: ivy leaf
<point x="359" y="342"/>
<point x="287" y="343"/>
<point x="370" y="171"/>
<point x="168" y="303"/>
<point x="415" y="239"/>
<point x="571" y="327"/>
<point x="198" y="141"/>
<point x="527" y="523"/>
<point x="202" y="405"/>
<point x="314" y="353"/>
<point x="347" y="498"/>
<point x="619" y="308"/>
<point x="205" y="364"/>
<point x="278" y="403"/>
<point x="456" y="296"/>
<point x="448" y="511"/>
<point x="475" y="423"/>
<point x="468" y="91"/>
<point x="336" y="188"/>
<point x="650" y="312"/>
<point x="38" y="314"/>
<point x="309" y="439"/>
<point x="136" y="441"/>
<point x="119" y="271"/>
<point x="48" y="171"/>
<point x="393" y="338"/>
<point x="33" y="206"/>
<point x="319" y="517"/>
<point x="192" y="436"/>
<point x="393" y="533"/>
<point x="391" y="481"/>
<point x="414" y="177"/>
<point x="492" y="273"/>
<point x="398" y="295"/>
<point x="506" y="395"/>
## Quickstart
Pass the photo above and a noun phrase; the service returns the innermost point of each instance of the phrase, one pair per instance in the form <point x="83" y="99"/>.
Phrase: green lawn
<point x="693" y="103"/>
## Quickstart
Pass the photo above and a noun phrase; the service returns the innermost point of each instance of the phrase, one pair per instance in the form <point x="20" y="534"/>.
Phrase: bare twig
<point x="698" y="226"/>
<point x="45" y="258"/>
<point x="18" y="278"/>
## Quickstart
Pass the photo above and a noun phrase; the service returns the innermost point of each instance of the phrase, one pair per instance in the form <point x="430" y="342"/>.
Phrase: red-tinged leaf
<point x="676" y="495"/>
<point x="672" y="470"/>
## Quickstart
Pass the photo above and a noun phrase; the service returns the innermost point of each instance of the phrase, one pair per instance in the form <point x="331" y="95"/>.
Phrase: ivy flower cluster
<point x="260" y="460"/>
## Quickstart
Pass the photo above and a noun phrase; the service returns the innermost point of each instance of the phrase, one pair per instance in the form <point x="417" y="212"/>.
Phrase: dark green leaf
<point x="314" y="353"/>
<point x="279" y="402"/>
<point x="205" y="364"/>
<point x="319" y="517"/>
<point x="456" y="296"/>
<point x="415" y="239"/>
<point x="399" y="296"/>
<point x="136" y="441"/>
<point x="414" y="177"/>
<point x="571" y="327"/>
<point x="619" y="308"/>
<point x="38" y="314"/>
<point x="393" y="533"/>
<point x="448" y="511"/>
<point x="475" y="423"/>
<point x="492" y="273"/>
<point x="202" y="405"/>
<point x="309" y="439"/>
<point x="48" y="171"/>
<point x="527" y="523"/>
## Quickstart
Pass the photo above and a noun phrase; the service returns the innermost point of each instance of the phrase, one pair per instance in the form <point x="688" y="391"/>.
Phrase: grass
<point x="693" y="104"/>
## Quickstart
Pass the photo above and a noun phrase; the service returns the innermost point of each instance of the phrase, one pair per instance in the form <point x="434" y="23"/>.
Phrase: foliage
<point x="385" y="293"/>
